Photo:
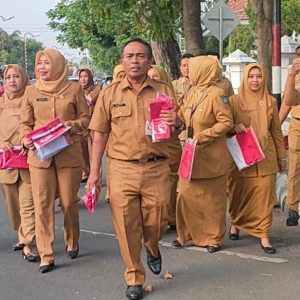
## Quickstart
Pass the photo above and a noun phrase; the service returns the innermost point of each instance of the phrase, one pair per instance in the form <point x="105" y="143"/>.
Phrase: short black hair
<point x="298" y="47"/>
<point x="139" y="40"/>
<point x="185" y="55"/>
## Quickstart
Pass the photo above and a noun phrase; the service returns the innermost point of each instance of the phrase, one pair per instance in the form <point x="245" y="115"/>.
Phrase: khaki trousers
<point x="19" y="201"/>
<point x="45" y="183"/>
<point x="175" y="150"/>
<point x="139" y="200"/>
<point x="293" y="194"/>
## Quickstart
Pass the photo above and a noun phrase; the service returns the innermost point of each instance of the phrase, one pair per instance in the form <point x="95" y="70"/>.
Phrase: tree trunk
<point x="192" y="26"/>
<point x="167" y="54"/>
<point x="264" y="15"/>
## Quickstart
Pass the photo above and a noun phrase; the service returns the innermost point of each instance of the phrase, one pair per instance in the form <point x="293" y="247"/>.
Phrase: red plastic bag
<point x="187" y="159"/>
<point x="14" y="159"/>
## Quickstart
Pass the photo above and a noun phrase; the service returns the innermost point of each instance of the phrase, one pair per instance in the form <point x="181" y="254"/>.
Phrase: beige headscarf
<point x="58" y="81"/>
<point x="116" y="71"/>
<point x="12" y="101"/>
<point x="204" y="71"/>
<point x="256" y="104"/>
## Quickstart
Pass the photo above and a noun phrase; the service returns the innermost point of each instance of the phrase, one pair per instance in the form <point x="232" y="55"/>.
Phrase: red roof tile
<point x="238" y="7"/>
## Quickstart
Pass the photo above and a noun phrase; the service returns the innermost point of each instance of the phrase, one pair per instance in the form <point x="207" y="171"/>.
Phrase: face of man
<point x="298" y="52"/>
<point x="184" y="67"/>
<point x="135" y="61"/>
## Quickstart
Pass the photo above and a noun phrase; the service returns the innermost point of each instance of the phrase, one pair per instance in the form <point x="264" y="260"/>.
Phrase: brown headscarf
<point x="90" y="84"/>
<point x="12" y="101"/>
<point x="163" y="75"/>
<point x="117" y="70"/>
<point x="256" y="104"/>
<point x="204" y="71"/>
<point x="58" y="81"/>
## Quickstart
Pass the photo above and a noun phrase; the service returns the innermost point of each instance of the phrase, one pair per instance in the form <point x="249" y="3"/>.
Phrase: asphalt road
<point x="240" y="271"/>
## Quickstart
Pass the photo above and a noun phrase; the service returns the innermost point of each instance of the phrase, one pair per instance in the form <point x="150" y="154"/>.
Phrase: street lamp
<point x="25" y="46"/>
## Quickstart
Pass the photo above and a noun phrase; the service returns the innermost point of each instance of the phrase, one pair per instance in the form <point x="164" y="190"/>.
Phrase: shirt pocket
<point x="121" y="115"/>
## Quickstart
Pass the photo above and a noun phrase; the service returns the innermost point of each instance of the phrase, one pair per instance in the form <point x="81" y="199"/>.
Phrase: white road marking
<point x="275" y="260"/>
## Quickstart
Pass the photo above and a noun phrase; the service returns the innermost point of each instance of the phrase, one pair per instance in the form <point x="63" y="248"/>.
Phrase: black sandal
<point x="18" y="246"/>
<point x="30" y="256"/>
<point x="234" y="236"/>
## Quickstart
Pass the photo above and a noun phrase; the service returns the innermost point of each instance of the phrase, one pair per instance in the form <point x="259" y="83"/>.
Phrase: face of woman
<point x="255" y="79"/>
<point x="121" y="75"/>
<point x="153" y="74"/>
<point x="13" y="81"/>
<point x="83" y="79"/>
<point x="43" y="68"/>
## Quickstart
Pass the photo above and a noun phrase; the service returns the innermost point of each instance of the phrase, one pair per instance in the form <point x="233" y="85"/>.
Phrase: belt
<point x="296" y="118"/>
<point x="145" y="160"/>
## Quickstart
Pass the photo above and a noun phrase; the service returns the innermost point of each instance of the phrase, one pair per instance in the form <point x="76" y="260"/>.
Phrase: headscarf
<point x="117" y="70"/>
<point x="13" y="101"/>
<point x="58" y="81"/>
<point x="204" y="71"/>
<point x="24" y="82"/>
<point x="163" y="75"/>
<point x="256" y="104"/>
<point x="90" y="84"/>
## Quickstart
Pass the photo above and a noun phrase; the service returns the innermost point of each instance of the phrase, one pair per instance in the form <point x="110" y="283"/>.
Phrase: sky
<point x="30" y="17"/>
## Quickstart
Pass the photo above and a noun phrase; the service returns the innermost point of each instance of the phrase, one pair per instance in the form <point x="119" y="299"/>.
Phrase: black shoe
<point x="292" y="218"/>
<point x="213" y="249"/>
<point x="29" y="256"/>
<point x="72" y="253"/>
<point x="234" y="236"/>
<point x="172" y="227"/>
<point x="269" y="250"/>
<point x="134" y="292"/>
<point x="176" y="244"/>
<point x="154" y="263"/>
<point x="46" y="268"/>
<point x="18" y="247"/>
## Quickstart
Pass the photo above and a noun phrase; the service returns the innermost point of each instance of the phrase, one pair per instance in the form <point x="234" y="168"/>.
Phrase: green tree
<point x="12" y="50"/>
<point x="103" y="26"/>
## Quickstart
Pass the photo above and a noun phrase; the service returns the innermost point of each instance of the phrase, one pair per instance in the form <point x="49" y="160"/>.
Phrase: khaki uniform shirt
<point x="181" y="88"/>
<point x="11" y="113"/>
<point x="295" y="111"/>
<point x="123" y="113"/>
<point x="211" y="121"/>
<point x="39" y="108"/>
<point x="275" y="149"/>
<point x="225" y="84"/>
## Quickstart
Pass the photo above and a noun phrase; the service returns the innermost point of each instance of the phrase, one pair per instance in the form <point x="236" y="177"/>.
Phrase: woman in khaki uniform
<point x="91" y="92"/>
<point x="201" y="202"/>
<point x="158" y="73"/>
<point x="251" y="190"/>
<point x="15" y="183"/>
<point x="54" y="96"/>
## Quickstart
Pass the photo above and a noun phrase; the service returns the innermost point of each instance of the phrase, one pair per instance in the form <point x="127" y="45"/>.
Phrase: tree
<point x="12" y="50"/>
<point x="106" y="25"/>
<point x="290" y="12"/>
<point x="192" y="26"/>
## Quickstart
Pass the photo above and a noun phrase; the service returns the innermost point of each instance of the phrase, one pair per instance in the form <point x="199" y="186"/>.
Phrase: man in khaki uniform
<point x="292" y="98"/>
<point x="138" y="169"/>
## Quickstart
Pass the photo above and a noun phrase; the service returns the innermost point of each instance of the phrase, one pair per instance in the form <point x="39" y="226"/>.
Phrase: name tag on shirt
<point x="41" y="99"/>
<point x="148" y="130"/>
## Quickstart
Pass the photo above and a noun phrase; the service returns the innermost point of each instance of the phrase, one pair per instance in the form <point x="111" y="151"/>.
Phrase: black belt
<point x="155" y="158"/>
<point x="296" y="118"/>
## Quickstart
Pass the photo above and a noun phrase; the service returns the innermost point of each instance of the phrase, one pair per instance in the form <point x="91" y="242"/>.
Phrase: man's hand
<point x="282" y="165"/>
<point x="94" y="180"/>
<point x="295" y="68"/>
